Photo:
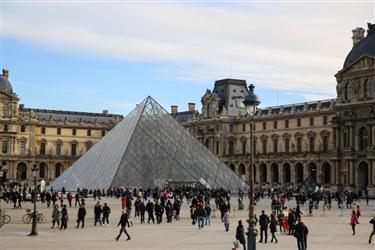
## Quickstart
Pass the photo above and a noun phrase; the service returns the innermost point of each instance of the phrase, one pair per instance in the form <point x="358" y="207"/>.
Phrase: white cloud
<point x="295" y="47"/>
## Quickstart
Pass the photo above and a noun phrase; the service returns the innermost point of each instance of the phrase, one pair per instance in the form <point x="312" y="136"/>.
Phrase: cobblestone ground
<point x="328" y="230"/>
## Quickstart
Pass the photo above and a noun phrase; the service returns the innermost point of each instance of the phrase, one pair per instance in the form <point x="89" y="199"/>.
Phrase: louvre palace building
<point x="333" y="141"/>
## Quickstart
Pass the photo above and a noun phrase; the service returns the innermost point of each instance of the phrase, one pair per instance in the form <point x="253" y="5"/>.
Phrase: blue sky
<point x="95" y="56"/>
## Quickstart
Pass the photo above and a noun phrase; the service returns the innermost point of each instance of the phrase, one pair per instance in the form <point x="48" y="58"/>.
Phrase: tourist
<point x="273" y="227"/>
<point x="150" y="211"/>
<point x="226" y="220"/>
<point x="263" y="222"/>
<point x="201" y="215"/>
<point x="280" y="218"/>
<point x="301" y="232"/>
<point x="55" y="216"/>
<point x="64" y="217"/>
<point x="291" y="221"/>
<point x="159" y="210"/>
<point x="169" y="211"/>
<point x="354" y="221"/>
<point x="76" y="197"/>
<point x="240" y="234"/>
<point x="97" y="213"/>
<point x="106" y="211"/>
<point x="81" y="216"/>
<point x="123" y="202"/>
<point x="358" y="212"/>
<point x="48" y="199"/>
<point x="372" y="221"/>
<point x="208" y="214"/>
<point x="142" y="210"/>
<point x="69" y="196"/>
<point x="123" y="222"/>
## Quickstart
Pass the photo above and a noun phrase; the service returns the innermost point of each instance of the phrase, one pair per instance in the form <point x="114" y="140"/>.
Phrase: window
<point x="312" y="144"/>
<point x="325" y="143"/>
<point x="286" y="123"/>
<point x="345" y="140"/>
<point x="325" y="120"/>
<point x="231" y="128"/>
<point x="43" y="148"/>
<point x="43" y="130"/>
<point x="244" y="127"/>
<point x="230" y="148"/>
<point x="264" y="146"/>
<point x="244" y="147"/>
<point x="74" y="131"/>
<point x="274" y="124"/>
<point x="23" y="129"/>
<point x="286" y="145"/>
<point x="6" y="128"/>
<point x="88" y="145"/>
<point x="74" y="149"/>
<point x="217" y="147"/>
<point x="275" y="145"/>
<point x="58" y="131"/>
<point x="4" y="148"/>
<point x="299" y="144"/>
<point x="298" y="122"/>
<point x="58" y="148"/>
<point x="89" y="132"/>
<point x="103" y="133"/>
<point x="367" y="88"/>
<point x="348" y="91"/>
<point x="22" y="147"/>
<point x="311" y="121"/>
<point x="42" y="170"/>
<point x="362" y="138"/>
<point x="264" y="125"/>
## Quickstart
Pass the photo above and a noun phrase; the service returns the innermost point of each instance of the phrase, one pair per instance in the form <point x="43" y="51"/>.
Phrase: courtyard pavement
<point x="328" y="230"/>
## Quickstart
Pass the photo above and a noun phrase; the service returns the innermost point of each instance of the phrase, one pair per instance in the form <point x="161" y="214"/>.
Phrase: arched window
<point x="241" y="169"/>
<point x="348" y="90"/>
<point x="42" y="170"/>
<point x="367" y="88"/>
<point x="58" y="170"/>
<point x="362" y="138"/>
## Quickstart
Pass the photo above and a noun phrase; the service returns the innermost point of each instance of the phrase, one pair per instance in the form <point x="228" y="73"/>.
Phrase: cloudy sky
<point x="95" y="55"/>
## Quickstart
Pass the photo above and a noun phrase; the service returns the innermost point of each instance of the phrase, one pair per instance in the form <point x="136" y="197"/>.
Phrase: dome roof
<point x="365" y="47"/>
<point x="5" y="85"/>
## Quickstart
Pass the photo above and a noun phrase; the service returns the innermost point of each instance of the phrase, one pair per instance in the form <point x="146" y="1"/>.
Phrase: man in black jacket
<point x="81" y="216"/>
<point x="240" y="234"/>
<point x="97" y="213"/>
<point x="300" y="232"/>
<point x="263" y="222"/>
<point x="150" y="211"/>
<point x="106" y="211"/>
<point x="142" y="209"/>
<point x="123" y="222"/>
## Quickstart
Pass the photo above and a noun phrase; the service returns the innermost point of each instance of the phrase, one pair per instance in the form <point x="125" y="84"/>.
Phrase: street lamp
<point x="33" y="229"/>
<point x="251" y="102"/>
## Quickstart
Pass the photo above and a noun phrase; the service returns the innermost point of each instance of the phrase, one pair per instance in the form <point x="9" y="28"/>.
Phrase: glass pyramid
<point x="148" y="148"/>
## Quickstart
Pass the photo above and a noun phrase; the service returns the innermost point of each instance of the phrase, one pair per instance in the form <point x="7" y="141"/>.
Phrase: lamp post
<point x="33" y="229"/>
<point x="251" y="102"/>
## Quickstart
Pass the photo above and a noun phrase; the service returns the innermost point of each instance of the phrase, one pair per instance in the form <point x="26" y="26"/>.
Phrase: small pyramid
<point x="148" y="148"/>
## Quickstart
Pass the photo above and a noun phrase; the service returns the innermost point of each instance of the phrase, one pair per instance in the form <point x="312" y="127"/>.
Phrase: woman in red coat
<point x="354" y="221"/>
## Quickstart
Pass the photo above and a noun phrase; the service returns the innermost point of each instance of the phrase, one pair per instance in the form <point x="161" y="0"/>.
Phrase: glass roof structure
<point x="148" y="148"/>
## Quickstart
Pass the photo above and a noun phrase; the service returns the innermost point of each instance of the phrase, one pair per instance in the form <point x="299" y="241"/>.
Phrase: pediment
<point x="363" y="63"/>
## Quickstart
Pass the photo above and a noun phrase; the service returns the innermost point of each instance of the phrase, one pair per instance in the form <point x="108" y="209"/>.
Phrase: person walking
<point x="150" y="211"/>
<point x="97" y="213"/>
<point x="76" y="197"/>
<point x="55" y="216"/>
<point x="208" y="214"/>
<point x="106" y="211"/>
<point x="226" y="220"/>
<point x="263" y="222"/>
<point x="201" y="215"/>
<point x="240" y="234"/>
<point x="142" y="210"/>
<point x="69" y="197"/>
<point x="301" y="232"/>
<point x="358" y="212"/>
<point x="123" y="222"/>
<point x="273" y="227"/>
<point x="354" y="221"/>
<point x="64" y="217"/>
<point x="81" y="216"/>
<point x="372" y="221"/>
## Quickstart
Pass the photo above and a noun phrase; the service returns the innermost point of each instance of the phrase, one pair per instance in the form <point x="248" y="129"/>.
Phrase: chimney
<point x="358" y="35"/>
<point x="174" y="109"/>
<point x="6" y="73"/>
<point x="105" y="112"/>
<point x="191" y="106"/>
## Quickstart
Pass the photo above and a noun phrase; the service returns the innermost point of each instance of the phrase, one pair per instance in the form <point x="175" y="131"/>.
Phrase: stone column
<point x="305" y="171"/>
<point x="373" y="135"/>
<point x="269" y="177"/>
<point x="281" y="179"/>
<point x="334" y="138"/>
<point x="293" y="173"/>
<point x="349" y="167"/>
<point x="370" y="173"/>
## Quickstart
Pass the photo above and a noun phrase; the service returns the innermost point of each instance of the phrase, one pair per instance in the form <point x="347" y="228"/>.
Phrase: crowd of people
<point x="160" y="204"/>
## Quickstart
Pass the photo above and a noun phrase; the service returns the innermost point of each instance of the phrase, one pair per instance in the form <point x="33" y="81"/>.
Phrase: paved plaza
<point x="327" y="231"/>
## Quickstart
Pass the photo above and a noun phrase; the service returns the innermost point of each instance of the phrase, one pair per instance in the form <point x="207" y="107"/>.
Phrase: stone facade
<point x="50" y="139"/>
